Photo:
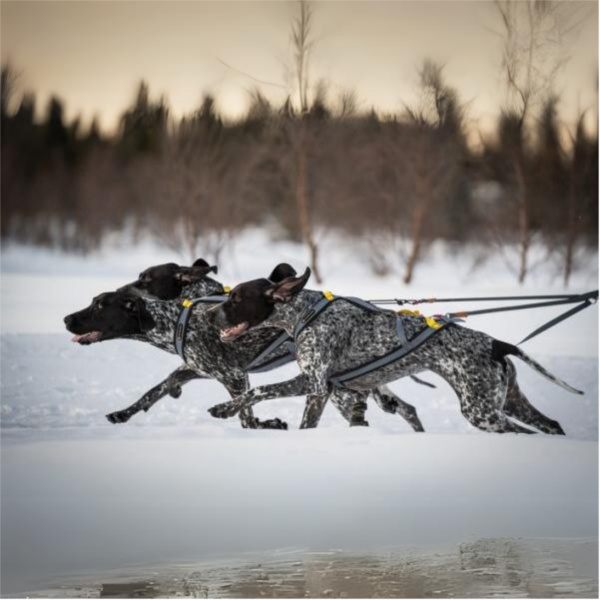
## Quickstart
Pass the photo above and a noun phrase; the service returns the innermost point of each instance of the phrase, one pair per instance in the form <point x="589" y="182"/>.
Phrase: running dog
<point x="344" y="337"/>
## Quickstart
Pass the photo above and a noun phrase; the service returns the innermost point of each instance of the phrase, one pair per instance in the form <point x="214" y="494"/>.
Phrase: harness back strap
<point x="340" y="379"/>
<point x="406" y="346"/>
<point x="316" y="309"/>
<point x="310" y="314"/>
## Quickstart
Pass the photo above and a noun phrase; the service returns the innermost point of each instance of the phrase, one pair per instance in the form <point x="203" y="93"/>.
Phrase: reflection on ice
<point x="483" y="568"/>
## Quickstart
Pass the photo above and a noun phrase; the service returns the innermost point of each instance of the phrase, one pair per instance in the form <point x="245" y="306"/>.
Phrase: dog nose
<point x="68" y="320"/>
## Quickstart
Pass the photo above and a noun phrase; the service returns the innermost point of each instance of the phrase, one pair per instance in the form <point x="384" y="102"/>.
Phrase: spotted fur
<point x="345" y="336"/>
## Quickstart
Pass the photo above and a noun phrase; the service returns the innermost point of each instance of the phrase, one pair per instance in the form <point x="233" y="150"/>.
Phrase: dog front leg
<point x="170" y="386"/>
<point x="298" y="386"/>
<point x="315" y="404"/>
<point x="393" y="404"/>
<point x="247" y="419"/>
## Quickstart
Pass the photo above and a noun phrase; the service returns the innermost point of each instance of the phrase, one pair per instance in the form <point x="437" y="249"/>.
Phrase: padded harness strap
<point x="406" y="346"/>
<point x="184" y="317"/>
<point x="255" y="365"/>
<point x="411" y="345"/>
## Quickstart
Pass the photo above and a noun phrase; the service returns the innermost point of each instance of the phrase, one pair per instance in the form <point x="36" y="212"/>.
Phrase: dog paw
<point x="119" y="416"/>
<point x="175" y="391"/>
<point x="359" y="423"/>
<point x="272" y="424"/>
<point x="224" y="410"/>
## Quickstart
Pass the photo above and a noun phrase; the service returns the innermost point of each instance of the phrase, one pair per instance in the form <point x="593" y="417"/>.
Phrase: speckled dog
<point x="344" y="336"/>
<point x="132" y="313"/>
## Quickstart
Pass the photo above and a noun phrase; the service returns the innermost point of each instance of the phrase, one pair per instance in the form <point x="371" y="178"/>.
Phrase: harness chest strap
<point x="255" y="365"/>
<point x="184" y="316"/>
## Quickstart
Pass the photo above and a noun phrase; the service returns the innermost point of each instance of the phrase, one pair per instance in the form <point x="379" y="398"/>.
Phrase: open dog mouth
<point x="230" y="333"/>
<point x="87" y="338"/>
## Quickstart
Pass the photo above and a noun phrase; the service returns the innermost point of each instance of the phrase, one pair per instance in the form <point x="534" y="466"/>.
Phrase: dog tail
<point x="502" y="349"/>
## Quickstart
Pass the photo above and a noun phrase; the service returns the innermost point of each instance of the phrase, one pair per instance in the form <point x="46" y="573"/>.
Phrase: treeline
<point x="399" y="181"/>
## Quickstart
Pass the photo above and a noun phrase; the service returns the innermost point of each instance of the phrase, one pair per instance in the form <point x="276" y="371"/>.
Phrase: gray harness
<point x="406" y="346"/>
<point x="256" y="365"/>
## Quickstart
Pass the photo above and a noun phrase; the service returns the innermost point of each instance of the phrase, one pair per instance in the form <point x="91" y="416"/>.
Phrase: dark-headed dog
<point x="344" y="337"/>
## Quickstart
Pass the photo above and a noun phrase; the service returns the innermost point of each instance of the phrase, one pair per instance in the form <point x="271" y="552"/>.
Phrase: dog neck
<point x="165" y="314"/>
<point x="287" y="314"/>
<point x="206" y="287"/>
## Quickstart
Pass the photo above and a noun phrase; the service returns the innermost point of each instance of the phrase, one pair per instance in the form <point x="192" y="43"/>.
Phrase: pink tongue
<point x="86" y="337"/>
<point x="230" y="331"/>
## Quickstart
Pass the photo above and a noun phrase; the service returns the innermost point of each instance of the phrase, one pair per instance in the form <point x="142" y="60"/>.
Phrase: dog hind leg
<point x="315" y="404"/>
<point x="518" y="406"/>
<point x="481" y="387"/>
<point x="298" y="386"/>
<point x="352" y="405"/>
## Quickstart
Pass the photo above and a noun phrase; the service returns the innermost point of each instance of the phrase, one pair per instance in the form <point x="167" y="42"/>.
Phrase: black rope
<point x="590" y="297"/>
<point x="573" y="297"/>
<point x="557" y="320"/>
<point x="586" y="300"/>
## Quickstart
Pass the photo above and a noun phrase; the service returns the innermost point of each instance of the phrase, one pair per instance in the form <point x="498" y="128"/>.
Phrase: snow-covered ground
<point x="81" y="495"/>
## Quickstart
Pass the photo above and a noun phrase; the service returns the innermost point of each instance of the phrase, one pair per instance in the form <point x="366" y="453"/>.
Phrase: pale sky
<point x="92" y="54"/>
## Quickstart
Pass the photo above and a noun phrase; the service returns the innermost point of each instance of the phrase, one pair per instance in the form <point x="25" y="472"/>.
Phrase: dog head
<point x="253" y="302"/>
<point x="111" y="315"/>
<point x="168" y="281"/>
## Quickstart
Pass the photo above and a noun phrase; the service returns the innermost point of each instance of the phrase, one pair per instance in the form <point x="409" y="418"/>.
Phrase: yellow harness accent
<point x="187" y="303"/>
<point x="328" y="295"/>
<point x="431" y="322"/>
<point x="226" y="289"/>
<point x="409" y="313"/>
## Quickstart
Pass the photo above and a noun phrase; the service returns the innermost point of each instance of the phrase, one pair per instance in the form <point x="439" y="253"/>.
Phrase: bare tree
<point x="8" y="88"/>
<point x="198" y="180"/>
<point x="423" y="154"/>
<point x="532" y="33"/>
<point x="580" y="165"/>
<point x="302" y="44"/>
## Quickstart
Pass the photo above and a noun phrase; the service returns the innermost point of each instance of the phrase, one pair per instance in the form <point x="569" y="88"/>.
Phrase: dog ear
<point x="138" y="308"/>
<point x="200" y="262"/>
<point x="187" y="275"/>
<point x="282" y="271"/>
<point x="288" y="288"/>
<point x="145" y="320"/>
